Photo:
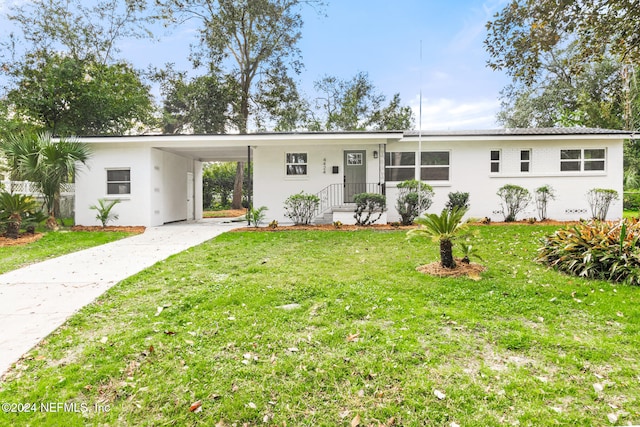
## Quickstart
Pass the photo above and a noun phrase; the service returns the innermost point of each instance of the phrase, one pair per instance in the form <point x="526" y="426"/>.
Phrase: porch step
<point x="327" y="217"/>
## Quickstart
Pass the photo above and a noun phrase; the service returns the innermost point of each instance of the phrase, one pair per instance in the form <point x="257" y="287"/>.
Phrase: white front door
<point x="190" y="201"/>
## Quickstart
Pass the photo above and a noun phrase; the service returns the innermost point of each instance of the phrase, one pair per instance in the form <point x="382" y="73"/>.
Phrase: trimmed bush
<point x="597" y="250"/>
<point x="457" y="200"/>
<point x="414" y="197"/>
<point x="367" y="205"/>
<point x="301" y="208"/>
<point x="514" y="200"/>
<point x="543" y="195"/>
<point x="599" y="201"/>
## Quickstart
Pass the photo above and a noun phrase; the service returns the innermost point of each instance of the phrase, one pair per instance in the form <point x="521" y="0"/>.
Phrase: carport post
<point x="249" y="184"/>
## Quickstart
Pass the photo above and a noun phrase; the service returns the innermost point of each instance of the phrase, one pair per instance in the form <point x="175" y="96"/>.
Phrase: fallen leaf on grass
<point x="598" y="387"/>
<point x="353" y="337"/>
<point x="440" y="395"/>
<point x="196" y="406"/>
<point x="613" y="418"/>
<point x="355" y="422"/>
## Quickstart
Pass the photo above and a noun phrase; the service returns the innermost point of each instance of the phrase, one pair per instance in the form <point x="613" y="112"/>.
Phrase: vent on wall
<point x="574" y="211"/>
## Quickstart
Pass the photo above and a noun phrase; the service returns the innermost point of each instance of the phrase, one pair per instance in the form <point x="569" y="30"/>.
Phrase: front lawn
<point x="337" y="328"/>
<point x="51" y="245"/>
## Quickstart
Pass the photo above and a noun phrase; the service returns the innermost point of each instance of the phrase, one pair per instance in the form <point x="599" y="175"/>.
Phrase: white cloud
<point x="452" y="114"/>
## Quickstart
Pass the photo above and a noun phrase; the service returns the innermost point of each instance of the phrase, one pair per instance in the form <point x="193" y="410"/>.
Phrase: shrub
<point x="414" y="197"/>
<point x="599" y="200"/>
<point x="17" y="210"/>
<point x="301" y="208"/>
<point x="543" y="195"/>
<point x="596" y="249"/>
<point x="367" y="204"/>
<point x="444" y="228"/>
<point x="256" y="216"/>
<point x="514" y="200"/>
<point x="458" y="200"/>
<point x="631" y="201"/>
<point x="104" y="214"/>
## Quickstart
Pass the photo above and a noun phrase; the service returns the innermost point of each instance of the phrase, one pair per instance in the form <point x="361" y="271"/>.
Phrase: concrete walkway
<point x="37" y="299"/>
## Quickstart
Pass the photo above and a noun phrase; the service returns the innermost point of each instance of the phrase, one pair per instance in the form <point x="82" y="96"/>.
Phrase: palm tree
<point x="443" y="228"/>
<point x="13" y="208"/>
<point x="46" y="162"/>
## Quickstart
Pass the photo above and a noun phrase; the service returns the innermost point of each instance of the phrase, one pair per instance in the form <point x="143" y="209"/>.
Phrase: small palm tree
<point x="13" y="208"/>
<point x="104" y="214"/>
<point x="46" y="162"/>
<point x="444" y="228"/>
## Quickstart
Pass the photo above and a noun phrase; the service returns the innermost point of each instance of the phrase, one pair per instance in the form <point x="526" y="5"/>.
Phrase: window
<point x="434" y="166"/>
<point x="354" y="159"/>
<point x="296" y="164"/>
<point x="119" y="181"/>
<point x="594" y="159"/>
<point x="400" y="166"/>
<point x="495" y="161"/>
<point x="525" y="160"/>
<point x="582" y="160"/>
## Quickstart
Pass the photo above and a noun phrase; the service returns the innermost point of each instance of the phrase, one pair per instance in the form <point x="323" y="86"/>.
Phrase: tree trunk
<point x="236" y="202"/>
<point x="13" y="227"/>
<point x="446" y="254"/>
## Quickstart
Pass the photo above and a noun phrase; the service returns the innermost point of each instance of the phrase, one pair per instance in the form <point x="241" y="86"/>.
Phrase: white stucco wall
<point x="91" y="184"/>
<point x="272" y="186"/>
<point x="470" y="172"/>
<point x="158" y="185"/>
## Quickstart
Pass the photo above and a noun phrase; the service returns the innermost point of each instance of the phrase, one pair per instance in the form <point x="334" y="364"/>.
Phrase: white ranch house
<point x="158" y="178"/>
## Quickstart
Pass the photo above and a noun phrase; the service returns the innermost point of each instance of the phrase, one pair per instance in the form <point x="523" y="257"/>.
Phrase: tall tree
<point x="356" y="105"/>
<point x="246" y="39"/>
<point x="81" y="29"/>
<point x="62" y="67"/>
<point x="595" y="97"/>
<point x="70" y="96"/>
<point x="197" y="105"/>
<point x="524" y="30"/>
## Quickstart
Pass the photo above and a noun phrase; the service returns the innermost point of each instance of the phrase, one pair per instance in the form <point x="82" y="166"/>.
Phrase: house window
<point x="119" y="181"/>
<point x="495" y="161"/>
<point x="525" y="160"/>
<point x="400" y="166"/>
<point x="581" y="160"/>
<point x="296" y="164"/>
<point x="434" y="166"/>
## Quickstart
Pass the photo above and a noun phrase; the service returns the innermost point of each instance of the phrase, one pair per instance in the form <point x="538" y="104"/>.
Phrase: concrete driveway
<point x="37" y="299"/>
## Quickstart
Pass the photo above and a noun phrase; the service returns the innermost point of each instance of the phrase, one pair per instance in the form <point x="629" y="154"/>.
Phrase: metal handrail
<point x="333" y="196"/>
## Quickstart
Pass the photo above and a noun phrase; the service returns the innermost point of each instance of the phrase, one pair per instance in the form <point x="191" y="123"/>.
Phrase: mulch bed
<point x="326" y="227"/>
<point x="344" y="227"/>
<point x="23" y="239"/>
<point x="136" y="229"/>
<point x="472" y="270"/>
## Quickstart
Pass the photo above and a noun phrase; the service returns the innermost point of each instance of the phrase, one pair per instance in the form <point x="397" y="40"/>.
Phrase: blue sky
<point x="383" y="38"/>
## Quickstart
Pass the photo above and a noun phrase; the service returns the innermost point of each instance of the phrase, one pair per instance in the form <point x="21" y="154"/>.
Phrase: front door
<point x="355" y="174"/>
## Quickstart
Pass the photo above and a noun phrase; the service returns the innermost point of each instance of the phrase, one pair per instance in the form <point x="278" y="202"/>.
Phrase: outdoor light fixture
<point x="375" y="154"/>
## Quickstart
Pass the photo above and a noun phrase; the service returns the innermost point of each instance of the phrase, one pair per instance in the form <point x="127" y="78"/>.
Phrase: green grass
<point x="53" y="244"/>
<point x="372" y="340"/>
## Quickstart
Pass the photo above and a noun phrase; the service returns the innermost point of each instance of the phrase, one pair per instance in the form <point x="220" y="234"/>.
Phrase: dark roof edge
<point x="520" y="132"/>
